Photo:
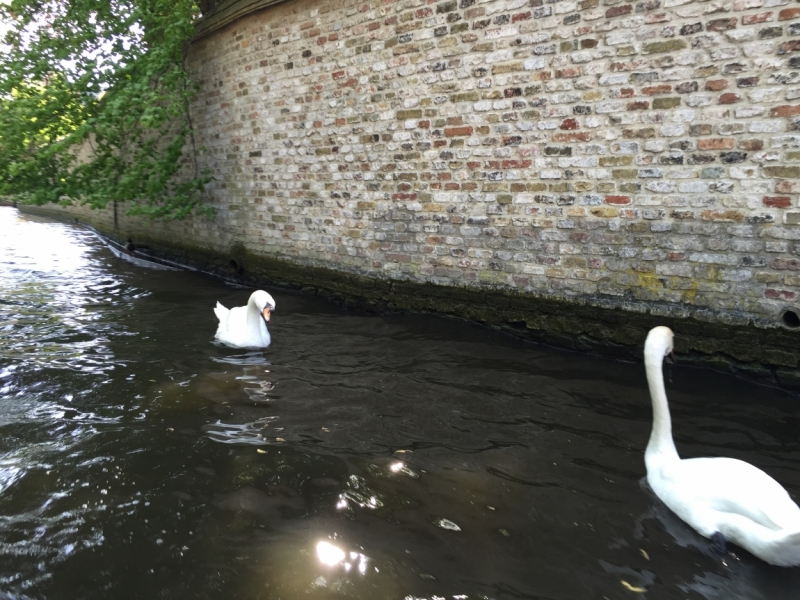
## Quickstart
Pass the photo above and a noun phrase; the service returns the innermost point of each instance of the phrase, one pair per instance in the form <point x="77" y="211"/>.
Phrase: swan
<point x="246" y="326"/>
<point x="723" y="499"/>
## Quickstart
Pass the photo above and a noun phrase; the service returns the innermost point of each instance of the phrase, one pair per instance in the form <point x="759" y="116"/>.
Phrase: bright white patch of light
<point x="329" y="554"/>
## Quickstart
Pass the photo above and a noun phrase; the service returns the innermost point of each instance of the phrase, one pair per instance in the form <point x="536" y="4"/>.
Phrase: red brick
<point x="638" y="105"/>
<point x="792" y="46"/>
<point x="777" y="201"/>
<point x="785" y="110"/>
<point x="521" y="16"/>
<point x="618" y="199"/>
<point x="568" y="73"/>
<point x="581" y="136"/>
<point x="516" y="164"/>
<point x="616" y="11"/>
<point x="569" y="124"/>
<point x="458" y="131"/>
<point x="729" y="98"/>
<point x="779" y="294"/>
<point x="654" y="90"/>
<point x="715" y="85"/>
<point x="759" y="18"/>
<point x="785" y="264"/>
<point x="716" y="144"/>
<point x="627" y="93"/>
<point x="788" y="13"/>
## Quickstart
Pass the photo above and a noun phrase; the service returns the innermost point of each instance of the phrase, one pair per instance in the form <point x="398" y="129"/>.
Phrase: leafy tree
<point x="94" y="104"/>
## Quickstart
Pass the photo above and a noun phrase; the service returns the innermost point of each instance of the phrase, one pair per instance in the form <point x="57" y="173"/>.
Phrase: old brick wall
<point x="644" y="155"/>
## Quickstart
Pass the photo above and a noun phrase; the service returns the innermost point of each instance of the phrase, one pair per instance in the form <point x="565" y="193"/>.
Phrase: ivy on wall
<point x="94" y="104"/>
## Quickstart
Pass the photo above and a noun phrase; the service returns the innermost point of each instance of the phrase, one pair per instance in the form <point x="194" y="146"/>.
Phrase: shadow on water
<point x="359" y="456"/>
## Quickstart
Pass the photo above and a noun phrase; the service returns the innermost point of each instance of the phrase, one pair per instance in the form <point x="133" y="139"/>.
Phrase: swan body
<point x="246" y="326"/>
<point x="716" y="496"/>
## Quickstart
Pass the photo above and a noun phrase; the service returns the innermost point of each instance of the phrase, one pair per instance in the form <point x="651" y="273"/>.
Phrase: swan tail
<point x="221" y="312"/>
<point x="786" y="551"/>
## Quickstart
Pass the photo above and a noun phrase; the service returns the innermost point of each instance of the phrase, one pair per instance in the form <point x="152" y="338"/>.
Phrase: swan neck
<point x="661" y="435"/>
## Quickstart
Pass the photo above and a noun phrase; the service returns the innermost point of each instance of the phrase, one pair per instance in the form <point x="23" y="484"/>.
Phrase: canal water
<point x="363" y="457"/>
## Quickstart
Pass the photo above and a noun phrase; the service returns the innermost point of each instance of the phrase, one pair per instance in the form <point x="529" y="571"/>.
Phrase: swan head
<point x="658" y="345"/>
<point x="264" y="303"/>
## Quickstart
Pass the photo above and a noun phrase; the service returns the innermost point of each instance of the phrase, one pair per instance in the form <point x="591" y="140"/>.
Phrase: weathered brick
<point x="777" y="201"/>
<point x="729" y="98"/>
<point x="415" y="113"/>
<point x="721" y="24"/>
<point x="616" y="11"/>
<point x="788" y="13"/>
<point x="758" y="18"/>
<point x="654" y="90"/>
<point x="672" y="45"/>
<point x="785" y="110"/>
<point x="458" y="131"/>
<point x="782" y="172"/>
<point x="716" y="144"/>
<point x="716" y="85"/>
<point x="663" y="103"/>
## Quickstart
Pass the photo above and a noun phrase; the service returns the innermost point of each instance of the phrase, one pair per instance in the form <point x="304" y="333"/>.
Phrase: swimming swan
<point x="246" y="326"/>
<point x="723" y="499"/>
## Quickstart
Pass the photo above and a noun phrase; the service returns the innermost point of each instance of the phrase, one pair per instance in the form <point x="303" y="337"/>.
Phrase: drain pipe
<point x="790" y="318"/>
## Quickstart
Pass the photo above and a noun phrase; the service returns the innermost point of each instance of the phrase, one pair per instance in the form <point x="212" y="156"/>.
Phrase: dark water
<point x="423" y="457"/>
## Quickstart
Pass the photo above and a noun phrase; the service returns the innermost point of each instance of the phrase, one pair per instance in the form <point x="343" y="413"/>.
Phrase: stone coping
<point x="228" y="11"/>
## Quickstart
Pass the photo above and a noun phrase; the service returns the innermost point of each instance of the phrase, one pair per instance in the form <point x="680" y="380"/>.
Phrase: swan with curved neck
<point x="246" y="326"/>
<point x="723" y="499"/>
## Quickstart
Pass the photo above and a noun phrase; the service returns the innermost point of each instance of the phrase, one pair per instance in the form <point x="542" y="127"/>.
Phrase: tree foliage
<point x="94" y="104"/>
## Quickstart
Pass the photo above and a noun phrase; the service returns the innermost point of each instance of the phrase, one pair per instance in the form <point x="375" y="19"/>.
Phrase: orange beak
<point x="266" y="313"/>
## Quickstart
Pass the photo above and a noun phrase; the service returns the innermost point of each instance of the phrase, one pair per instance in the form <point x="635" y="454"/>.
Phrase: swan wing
<point x="221" y="312"/>
<point x="728" y="485"/>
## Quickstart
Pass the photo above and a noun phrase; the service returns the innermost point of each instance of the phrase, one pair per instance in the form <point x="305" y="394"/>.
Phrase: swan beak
<point x="670" y="358"/>
<point x="266" y="313"/>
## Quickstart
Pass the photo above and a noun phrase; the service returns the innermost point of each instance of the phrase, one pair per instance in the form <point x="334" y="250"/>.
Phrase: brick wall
<point x="641" y="151"/>
<point x="643" y="155"/>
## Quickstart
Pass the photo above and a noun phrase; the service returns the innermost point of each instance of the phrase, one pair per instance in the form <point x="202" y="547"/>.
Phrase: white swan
<point x="723" y="499"/>
<point x="246" y="326"/>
